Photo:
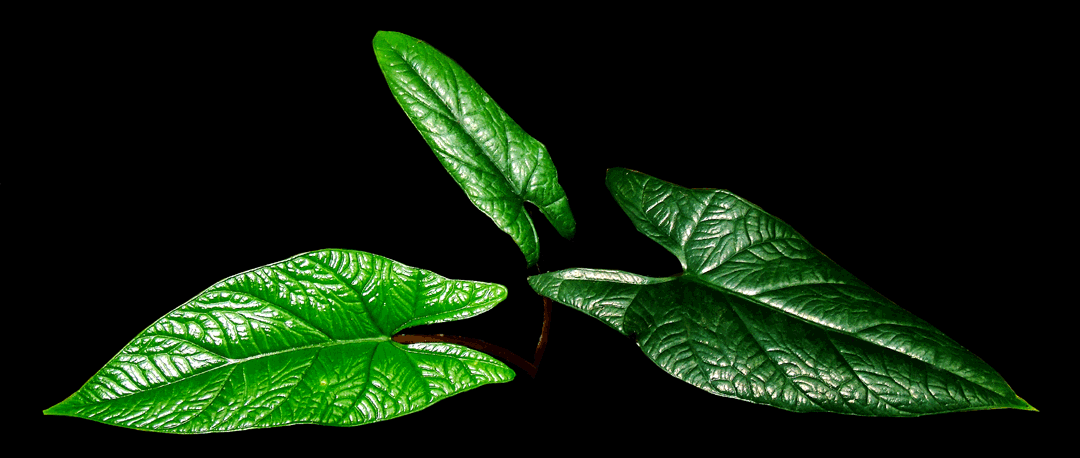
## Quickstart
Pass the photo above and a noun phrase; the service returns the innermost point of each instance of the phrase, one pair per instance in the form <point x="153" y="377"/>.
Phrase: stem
<point x="542" y="344"/>
<point x="492" y="349"/>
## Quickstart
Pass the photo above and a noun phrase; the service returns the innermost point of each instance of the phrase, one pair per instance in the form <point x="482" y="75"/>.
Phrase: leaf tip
<point x="615" y="174"/>
<point x="388" y="38"/>
<point x="500" y="292"/>
<point x="615" y="170"/>
<point x="55" y="410"/>
<point x="389" y="35"/>
<point x="487" y="297"/>
<point x="1027" y="405"/>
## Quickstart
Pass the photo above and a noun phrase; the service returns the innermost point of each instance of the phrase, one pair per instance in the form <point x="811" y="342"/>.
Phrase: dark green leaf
<point x="760" y="315"/>
<point x="305" y="340"/>
<point x="497" y="164"/>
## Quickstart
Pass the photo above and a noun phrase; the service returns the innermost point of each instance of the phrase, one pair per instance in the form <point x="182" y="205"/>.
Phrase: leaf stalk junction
<point x="476" y="344"/>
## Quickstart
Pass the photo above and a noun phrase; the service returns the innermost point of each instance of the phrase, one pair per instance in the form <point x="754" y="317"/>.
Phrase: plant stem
<point x="492" y="349"/>
<point x="542" y="344"/>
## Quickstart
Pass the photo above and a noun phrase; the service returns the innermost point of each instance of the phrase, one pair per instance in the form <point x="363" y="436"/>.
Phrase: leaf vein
<point x="220" y="388"/>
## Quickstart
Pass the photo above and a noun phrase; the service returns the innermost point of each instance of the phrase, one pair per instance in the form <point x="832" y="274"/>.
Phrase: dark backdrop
<point x="197" y="149"/>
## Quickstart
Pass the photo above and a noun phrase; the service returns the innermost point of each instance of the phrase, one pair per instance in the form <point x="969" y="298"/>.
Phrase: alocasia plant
<point x="761" y="315"/>
<point x="495" y="162"/>
<point x="304" y="340"/>
<point x="632" y="108"/>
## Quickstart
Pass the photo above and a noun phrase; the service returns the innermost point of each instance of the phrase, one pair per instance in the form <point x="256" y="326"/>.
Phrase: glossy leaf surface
<point x="495" y="162"/>
<point x="305" y="340"/>
<point x="761" y="315"/>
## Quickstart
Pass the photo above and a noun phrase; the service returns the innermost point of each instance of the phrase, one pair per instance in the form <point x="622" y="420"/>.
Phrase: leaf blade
<point x="494" y="161"/>
<point x="750" y="278"/>
<point x="293" y="342"/>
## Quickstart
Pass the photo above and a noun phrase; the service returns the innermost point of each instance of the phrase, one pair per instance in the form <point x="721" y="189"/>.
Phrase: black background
<point x="202" y="145"/>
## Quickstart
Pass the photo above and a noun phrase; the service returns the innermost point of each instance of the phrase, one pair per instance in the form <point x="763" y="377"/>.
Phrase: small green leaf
<point x="497" y="164"/>
<point x="760" y="315"/>
<point x="304" y="340"/>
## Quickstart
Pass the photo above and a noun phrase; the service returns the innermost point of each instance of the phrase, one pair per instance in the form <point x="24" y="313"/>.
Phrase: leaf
<point x="760" y="315"/>
<point x="497" y="164"/>
<point x="304" y="340"/>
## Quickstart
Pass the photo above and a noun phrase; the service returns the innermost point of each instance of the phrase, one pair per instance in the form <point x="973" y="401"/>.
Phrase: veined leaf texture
<point x="761" y="315"/>
<point x="889" y="176"/>
<point x="305" y="340"/>
<point x="495" y="162"/>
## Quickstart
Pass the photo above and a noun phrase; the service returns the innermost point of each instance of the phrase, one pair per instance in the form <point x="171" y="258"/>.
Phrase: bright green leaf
<point x="760" y="315"/>
<point x="304" y="340"/>
<point x="497" y="164"/>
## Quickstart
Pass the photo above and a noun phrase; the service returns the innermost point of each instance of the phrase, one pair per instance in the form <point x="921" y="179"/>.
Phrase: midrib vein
<point x="308" y="347"/>
<point x="230" y="362"/>
<point x="690" y="276"/>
